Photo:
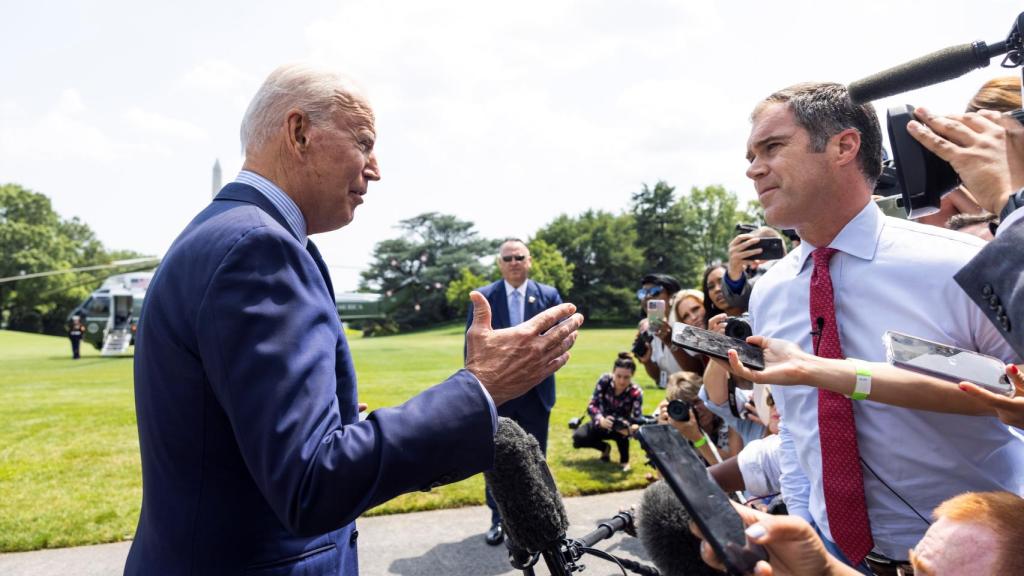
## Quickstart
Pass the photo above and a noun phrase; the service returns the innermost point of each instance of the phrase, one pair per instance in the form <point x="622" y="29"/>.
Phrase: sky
<point x="503" y="114"/>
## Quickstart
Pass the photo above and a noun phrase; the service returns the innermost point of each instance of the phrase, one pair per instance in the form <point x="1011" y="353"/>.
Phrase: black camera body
<point x="738" y="327"/>
<point x="575" y="422"/>
<point x="679" y="410"/>
<point x="642" y="343"/>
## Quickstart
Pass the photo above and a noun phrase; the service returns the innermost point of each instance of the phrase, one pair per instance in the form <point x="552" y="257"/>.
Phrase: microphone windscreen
<point x="663" y="526"/>
<point x="933" y="68"/>
<point x="531" y="508"/>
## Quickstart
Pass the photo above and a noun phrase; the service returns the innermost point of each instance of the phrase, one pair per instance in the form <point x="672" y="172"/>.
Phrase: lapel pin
<point x="531" y="299"/>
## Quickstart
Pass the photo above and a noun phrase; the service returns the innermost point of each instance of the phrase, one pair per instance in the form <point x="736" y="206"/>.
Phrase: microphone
<point x="664" y="532"/>
<point x="531" y="509"/>
<point x="816" y="334"/>
<point x="933" y="68"/>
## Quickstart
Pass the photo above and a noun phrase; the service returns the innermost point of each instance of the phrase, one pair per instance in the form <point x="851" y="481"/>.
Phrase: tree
<point x="550" y="266"/>
<point x="601" y="247"/>
<point x="414" y="271"/>
<point x="660" y="230"/>
<point x="33" y="239"/>
<point x="458" y="289"/>
<point x="710" y="216"/>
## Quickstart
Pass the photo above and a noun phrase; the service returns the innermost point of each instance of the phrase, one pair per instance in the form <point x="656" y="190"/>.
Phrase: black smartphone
<point x="704" y="500"/>
<point x="947" y="362"/>
<point x="771" y="249"/>
<point x="717" y="345"/>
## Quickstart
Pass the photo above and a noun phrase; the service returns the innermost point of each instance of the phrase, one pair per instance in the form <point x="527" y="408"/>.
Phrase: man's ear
<point x="847" y="146"/>
<point x="298" y="131"/>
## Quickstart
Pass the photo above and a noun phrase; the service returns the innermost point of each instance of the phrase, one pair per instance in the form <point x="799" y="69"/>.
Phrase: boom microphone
<point x="664" y="531"/>
<point x="933" y="68"/>
<point x="532" y="512"/>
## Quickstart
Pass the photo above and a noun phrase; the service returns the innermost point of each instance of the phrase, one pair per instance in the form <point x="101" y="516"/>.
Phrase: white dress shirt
<point x="890" y="274"/>
<point x="522" y="298"/>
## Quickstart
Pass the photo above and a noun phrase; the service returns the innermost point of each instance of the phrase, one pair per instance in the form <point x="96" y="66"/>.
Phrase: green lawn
<point x="69" y="462"/>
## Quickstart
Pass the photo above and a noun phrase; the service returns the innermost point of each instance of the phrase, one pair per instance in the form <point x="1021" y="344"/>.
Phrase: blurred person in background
<point x="653" y="345"/>
<point x="709" y="434"/>
<point x="714" y="299"/>
<point x="615" y="403"/>
<point x="744" y="268"/>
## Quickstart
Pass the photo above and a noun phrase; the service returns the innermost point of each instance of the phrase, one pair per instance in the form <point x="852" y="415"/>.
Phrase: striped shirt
<point x="284" y="204"/>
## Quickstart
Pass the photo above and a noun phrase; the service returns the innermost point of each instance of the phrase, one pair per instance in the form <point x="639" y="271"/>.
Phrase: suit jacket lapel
<point x="315" y="253"/>
<point x="532" y="307"/>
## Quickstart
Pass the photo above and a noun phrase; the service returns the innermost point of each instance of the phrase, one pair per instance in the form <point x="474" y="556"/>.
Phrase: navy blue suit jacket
<point x="253" y="459"/>
<point x="539" y="297"/>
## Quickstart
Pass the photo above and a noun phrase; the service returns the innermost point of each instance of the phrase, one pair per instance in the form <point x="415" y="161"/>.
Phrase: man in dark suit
<point x="253" y="457"/>
<point x="514" y="299"/>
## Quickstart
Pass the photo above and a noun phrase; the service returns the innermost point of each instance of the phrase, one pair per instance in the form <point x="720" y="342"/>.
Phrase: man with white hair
<point x="253" y="456"/>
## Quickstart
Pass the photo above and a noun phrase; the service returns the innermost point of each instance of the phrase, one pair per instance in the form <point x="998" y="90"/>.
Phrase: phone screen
<point x="705" y="502"/>
<point x="946" y="362"/>
<point x="655" y="314"/>
<point x="717" y="345"/>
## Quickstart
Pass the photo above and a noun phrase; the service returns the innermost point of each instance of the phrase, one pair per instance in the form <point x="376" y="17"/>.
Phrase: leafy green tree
<point x="550" y="266"/>
<point x="413" y="271"/>
<point x="661" y="235"/>
<point x="601" y="247"/>
<point x="35" y="239"/>
<point x="710" y="217"/>
<point x="458" y="289"/>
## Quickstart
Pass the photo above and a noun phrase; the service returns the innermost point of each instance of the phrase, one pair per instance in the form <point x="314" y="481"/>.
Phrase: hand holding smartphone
<point x="946" y="362"/>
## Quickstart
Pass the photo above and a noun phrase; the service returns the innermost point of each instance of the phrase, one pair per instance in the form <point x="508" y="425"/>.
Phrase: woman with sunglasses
<point x="653" y="345"/>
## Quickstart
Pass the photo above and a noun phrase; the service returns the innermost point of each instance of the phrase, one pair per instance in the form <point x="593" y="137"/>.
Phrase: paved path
<point x="442" y="542"/>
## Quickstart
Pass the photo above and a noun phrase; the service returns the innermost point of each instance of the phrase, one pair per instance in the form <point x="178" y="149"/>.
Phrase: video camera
<point x="915" y="180"/>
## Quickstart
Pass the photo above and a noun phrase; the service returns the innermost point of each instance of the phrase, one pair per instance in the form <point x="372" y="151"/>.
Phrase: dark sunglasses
<point x="769" y="400"/>
<point x="648" y="292"/>
<point x="517" y="258"/>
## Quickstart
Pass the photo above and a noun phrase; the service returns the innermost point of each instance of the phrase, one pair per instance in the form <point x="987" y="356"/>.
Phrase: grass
<point x="69" y="451"/>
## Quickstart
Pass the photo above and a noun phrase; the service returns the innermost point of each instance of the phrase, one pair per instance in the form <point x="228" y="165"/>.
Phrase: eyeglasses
<point x="517" y="258"/>
<point x="648" y="292"/>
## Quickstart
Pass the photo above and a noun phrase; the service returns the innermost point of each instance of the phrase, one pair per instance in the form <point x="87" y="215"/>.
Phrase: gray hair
<point x="317" y="92"/>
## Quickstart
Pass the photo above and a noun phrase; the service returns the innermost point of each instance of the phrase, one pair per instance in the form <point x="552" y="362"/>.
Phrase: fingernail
<point x="1013" y="369"/>
<point x="756" y="532"/>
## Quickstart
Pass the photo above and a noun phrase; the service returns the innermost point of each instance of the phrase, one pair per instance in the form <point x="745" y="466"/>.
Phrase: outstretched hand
<point x="784" y="362"/>
<point x="794" y="549"/>
<point x="1009" y="410"/>
<point x="511" y="361"/>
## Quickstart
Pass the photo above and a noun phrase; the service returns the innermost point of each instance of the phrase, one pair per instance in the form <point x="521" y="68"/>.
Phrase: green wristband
<point x="703" y="440"/>
<point x="863" y="386"/>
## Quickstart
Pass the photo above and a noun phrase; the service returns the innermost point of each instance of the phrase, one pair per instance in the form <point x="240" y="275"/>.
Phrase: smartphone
<point x="717" y="345"/>
<point x="655" y="315"/>
<point x="771" y="249"/>
<point x="947" y="362"/>
<point x="705" y="502"/>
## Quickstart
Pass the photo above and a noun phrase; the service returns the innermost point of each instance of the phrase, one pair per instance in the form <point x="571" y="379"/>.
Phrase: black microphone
<point x="816" y="334"/>
<point x="664" y="531"/>
<point x="933" y="68"/>
<point x="532" y="512"/>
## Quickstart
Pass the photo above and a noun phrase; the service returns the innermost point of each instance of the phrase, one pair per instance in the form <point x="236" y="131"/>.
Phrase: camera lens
<point x="679" y="410"/>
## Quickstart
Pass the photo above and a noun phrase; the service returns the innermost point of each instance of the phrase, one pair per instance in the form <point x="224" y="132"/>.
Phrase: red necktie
<point x="840" y="459"/>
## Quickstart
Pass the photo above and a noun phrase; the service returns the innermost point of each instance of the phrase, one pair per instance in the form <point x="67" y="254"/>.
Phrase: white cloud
<point x="160" y="126"/>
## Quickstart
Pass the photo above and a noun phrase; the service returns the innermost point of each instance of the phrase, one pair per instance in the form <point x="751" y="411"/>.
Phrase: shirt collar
<point x="858" y="238"/>
<point x="509" y="289"/>
<point x="280" y="199"/>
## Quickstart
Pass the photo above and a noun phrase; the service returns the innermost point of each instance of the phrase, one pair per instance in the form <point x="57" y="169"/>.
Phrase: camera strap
<point x="732" y="398"/>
